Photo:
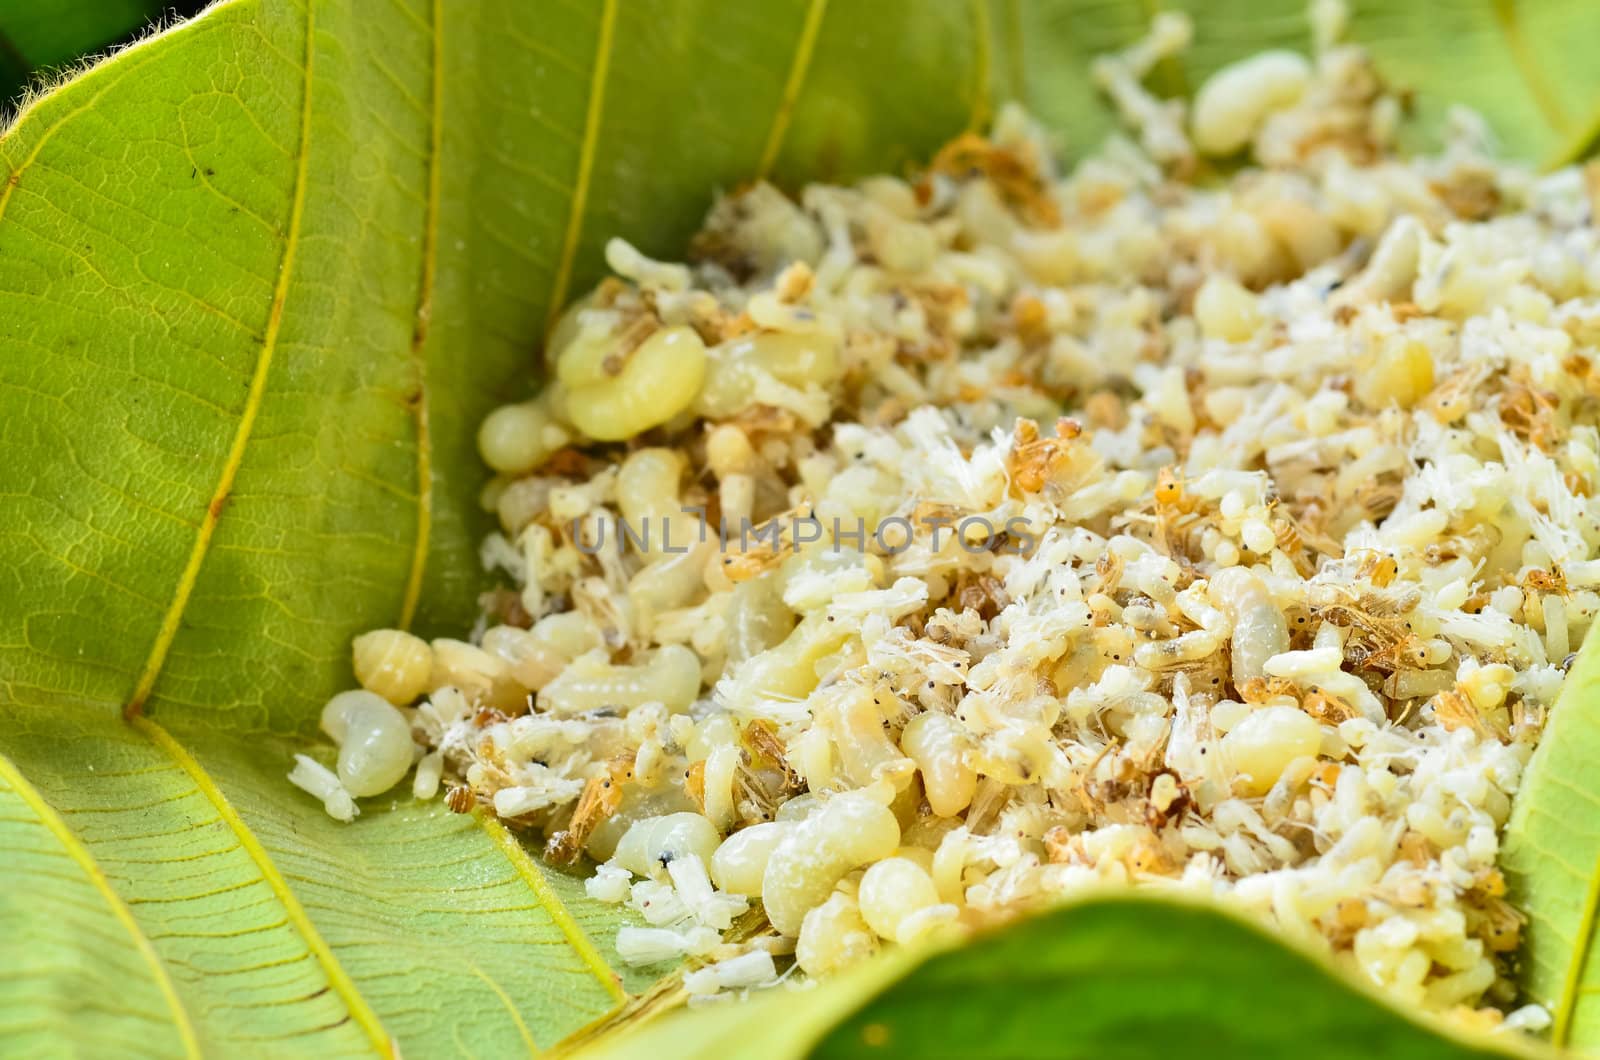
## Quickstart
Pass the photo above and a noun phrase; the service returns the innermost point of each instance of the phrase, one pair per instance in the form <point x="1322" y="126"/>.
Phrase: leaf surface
<point x="1110" y="976"/>
<point x="260" y="278"/>
<point x="1551" y="856"/>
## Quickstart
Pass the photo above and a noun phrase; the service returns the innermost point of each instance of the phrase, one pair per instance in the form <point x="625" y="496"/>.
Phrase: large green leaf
<point x="259" y="279"/>
<point x="166" y="898"/>
<point x="1552" y="858"/>
<point x="1107" y="977"/>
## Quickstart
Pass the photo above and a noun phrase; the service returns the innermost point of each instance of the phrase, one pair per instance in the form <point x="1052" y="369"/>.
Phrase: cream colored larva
<point x="898" y="900"/>
<point x="468" y="667"/>
<point x="515" y="439"/>
<point x="740" y="862"/>
<point x="1230" y="106"/>
<point x="1260" y="630"/>
<point x="670" y="676"/>
<point x="844" y="833"/>
<point x="652" y="844"/>
<point x="375" y="748"/>
<point x="942" y="750"/>
<point x="394" y="664"/>
<point x="834" y="936"/>
<point x="653" y="383"/>
<point x="927" y="550"/>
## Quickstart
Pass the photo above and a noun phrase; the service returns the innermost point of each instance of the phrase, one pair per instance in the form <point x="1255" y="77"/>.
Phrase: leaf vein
<point x="1505" y="17"/>
<point x="982" y="61"/>
<point x="510" y="1006"/>
<point x="79" y="852"/>
<point x="338" y="978"/>
<point x="559" y="914"/>
<point x="1567" y="1003"/>
<point x="257" y="392"/>
<point x="798" y="67"/>
<point x="419" y="330"/>
<point x="586" y="156"/>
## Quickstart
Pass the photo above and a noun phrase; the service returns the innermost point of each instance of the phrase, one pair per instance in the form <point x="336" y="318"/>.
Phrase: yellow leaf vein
<point x="982" y="62"/>
<point x="360" y="1011"/>
<point x="419" y="332"/>
<point x="547" y="897"/>
<point x="258" y="387"/>
<point x="1571" y="987"/>
<point x="586" y="156"/>
<point x="1528" y="67"/>
<point x="798" y="67"/>
<point x="80" y="853"/>
<point x="510" y="1007"/>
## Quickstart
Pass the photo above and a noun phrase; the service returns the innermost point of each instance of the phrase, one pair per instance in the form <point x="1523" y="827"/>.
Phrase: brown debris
<point x="1531" y="414"/>
<point x="1018" y="176"/>
<point x="767" y="751"/>
<point x="983" y="593"/>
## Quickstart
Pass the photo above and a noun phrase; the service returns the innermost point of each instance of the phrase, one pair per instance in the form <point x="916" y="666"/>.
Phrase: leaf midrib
<point x="355" y="1003"/>
<point x="551" y="903"/>
<point x="190" y="575"/>
<point x="799" y="66"/>
<point x="593" y="115"/>
<point x="423" y="318"/>
<point x="1572" y="986"/>
<point x="982" y="64"/>
<point x="1506" y="17"/>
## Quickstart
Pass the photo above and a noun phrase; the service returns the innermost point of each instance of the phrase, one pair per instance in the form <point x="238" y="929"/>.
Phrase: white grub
<point x="1226" y="537"/>
<point x="375" y="748"/>
<point x="1235" y="100"/>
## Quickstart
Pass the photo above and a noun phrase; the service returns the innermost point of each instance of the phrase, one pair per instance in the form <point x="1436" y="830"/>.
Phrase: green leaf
<point x="1527" y="67"/>
<point x="1551" y="856"/>
<point x="241" y="916"/>
<point x="1109" y="976"/>
<point x="260" y="278"/>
